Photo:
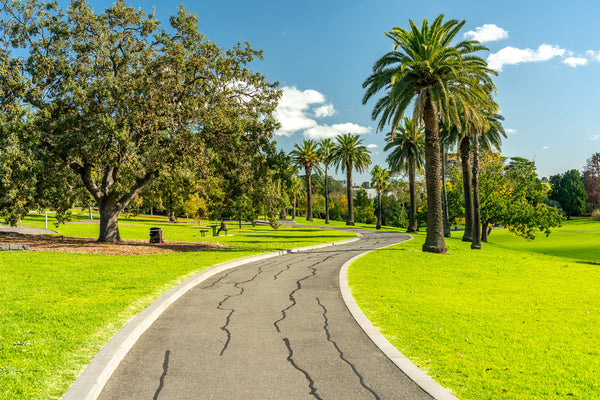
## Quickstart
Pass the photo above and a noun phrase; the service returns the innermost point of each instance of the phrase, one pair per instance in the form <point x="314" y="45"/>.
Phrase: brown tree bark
<point x="413" y="227"/>
<point x="434" y="239"/>
<point x="465" y="149"/>
<point x="309" y="213"/>
<point x="350" y="220"/>
<point x="476" y="243"/>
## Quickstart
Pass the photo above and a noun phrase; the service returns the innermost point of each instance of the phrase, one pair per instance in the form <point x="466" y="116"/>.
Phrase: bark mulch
<point x="91" y="246"/>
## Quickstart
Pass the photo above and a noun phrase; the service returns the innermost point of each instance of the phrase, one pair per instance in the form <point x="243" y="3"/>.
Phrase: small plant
<point x="596" y="215"/>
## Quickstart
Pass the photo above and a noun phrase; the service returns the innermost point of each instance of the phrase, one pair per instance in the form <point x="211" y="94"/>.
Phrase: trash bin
<point x="156" y="235"/>
<point x="214" y="229"/>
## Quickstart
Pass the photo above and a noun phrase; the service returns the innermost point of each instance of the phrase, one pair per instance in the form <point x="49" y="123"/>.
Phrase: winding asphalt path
<point x="273" y="329"/>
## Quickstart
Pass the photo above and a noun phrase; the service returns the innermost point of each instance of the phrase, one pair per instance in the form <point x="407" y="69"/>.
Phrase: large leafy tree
<point x="116" y="97"/>
<point x="306" y="155"/>
<point x="380" y="179"/>
<point x="425" y="67"/>
<point x="350" y="154"/>
<point x="407" y="147"/>
<point x="326" y="147"/>
<point x="569" y="191"/>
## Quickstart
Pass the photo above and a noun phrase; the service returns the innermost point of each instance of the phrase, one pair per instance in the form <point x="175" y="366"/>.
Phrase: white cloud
<point x="372" y="146"/>
<point x="545" y="147"/>
<point x="575" y="61"/>
<point x="512" y="55"/>
<point x="298" y="110"/>
<point x="326" y="131"/>
<point x="487" y="33"/>
<point x="325" y="111"/>
<point x="593" y="138"/>
<point x="511" y="131"/>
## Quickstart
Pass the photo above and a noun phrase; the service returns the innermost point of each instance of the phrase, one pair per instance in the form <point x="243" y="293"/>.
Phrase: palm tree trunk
<point x="434" y="240"/>
<point x="444" y="195"/>
<point x="326" y="198"/>
<point x="309" y="213"/>
<point x="476" y="243"/>
<point x="413" y="227"/>
<point x="379" y="213"/>
<point x="465" y="148"/>
<point x="350" y="220"/>
<point x="294" y="209"/>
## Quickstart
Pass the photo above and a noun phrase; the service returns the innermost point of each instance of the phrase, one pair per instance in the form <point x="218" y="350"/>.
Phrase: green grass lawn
<point x="58" y="309"/>
<point x="516" y="320"/>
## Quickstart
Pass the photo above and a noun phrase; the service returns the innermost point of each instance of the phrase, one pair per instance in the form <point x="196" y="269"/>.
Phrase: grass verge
<point x="517" y="320"/>
<point x="58" y="309"/>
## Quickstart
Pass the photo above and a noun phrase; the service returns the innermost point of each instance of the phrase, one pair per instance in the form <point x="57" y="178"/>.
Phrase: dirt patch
<point x="63" y="244"/>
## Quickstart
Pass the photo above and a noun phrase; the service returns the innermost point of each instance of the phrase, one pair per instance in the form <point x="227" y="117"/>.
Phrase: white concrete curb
<point x="426" y="383"/>
<point x="92" y="380"/>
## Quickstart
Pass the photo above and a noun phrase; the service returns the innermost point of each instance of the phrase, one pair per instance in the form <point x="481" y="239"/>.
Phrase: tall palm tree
<point x="408" y="154"/>
<point x="305" y="155"/>
<point x="296" y="189"/>
<point x="325" y="152"/>
<point x="380" y="179"/>
<point x="349" y="154"/>
<point x="449" y="134"/>
<point x="425" y="67"/>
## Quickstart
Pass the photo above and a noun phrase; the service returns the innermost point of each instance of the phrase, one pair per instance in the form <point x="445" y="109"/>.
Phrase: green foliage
<point x="568" y="189"/>
<point x="115" y="97"/>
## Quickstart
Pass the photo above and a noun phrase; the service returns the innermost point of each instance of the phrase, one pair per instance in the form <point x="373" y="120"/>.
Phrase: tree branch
<point x="139" y="185"/>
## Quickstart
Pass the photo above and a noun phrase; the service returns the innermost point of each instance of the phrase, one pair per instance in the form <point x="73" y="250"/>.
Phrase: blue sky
<point x="547" y="54"/>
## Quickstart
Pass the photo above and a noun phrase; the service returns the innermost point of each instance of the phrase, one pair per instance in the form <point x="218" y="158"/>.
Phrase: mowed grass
<point x="517" y="320"/>
<point x="58" y="309"/>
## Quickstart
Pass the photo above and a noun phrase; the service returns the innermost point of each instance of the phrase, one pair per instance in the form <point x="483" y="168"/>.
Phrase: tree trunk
<point x="413" y="226"/>
<point x="109" y="223"/>
<point x="465" y="149"/>
<point x="485" y="231"/>
<point x="444" y="196"/>
<point x="326" y="197"/>
<point x="476" y="243"/>
<point x="294" y="209"/>
<point x="379" y="213"/>
<point x="90" y="209"/>
<point x="434" y="239"/>
<point x="309" y="213"/>
<point x="350" y="220"/>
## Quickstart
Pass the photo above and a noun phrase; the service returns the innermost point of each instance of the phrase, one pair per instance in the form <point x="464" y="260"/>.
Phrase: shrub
<point x="596" y="215"/>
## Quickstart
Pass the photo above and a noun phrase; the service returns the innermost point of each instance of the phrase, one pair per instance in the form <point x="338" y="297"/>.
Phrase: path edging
<point x="94" y="377"/>
<point x="424" y="381"/>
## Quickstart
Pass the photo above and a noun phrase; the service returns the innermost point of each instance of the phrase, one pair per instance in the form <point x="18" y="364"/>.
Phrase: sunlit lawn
<point x="58" y="309"/>
<point x="517" y="320"/>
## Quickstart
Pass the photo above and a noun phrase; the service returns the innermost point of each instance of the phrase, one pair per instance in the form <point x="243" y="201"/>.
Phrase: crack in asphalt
<point x="232" y="310"/>
<point x="217" y="281"/>
<point x="311" y="382"/>
<point x="280" y="272"/>
<point x="298" y="287"/>
<point x="341" y="353"/>
<point x="164" y="374"/>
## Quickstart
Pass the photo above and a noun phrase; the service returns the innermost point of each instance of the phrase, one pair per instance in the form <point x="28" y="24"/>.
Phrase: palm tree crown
<point x="350" y="154"/>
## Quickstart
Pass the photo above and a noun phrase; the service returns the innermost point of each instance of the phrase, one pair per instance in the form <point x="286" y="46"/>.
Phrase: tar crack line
<point x="326" y="328"/>
<point x="279" y="273"/>
<point x="164" y="374"/>
<point x="231" y="310"/>
<point x="293" y="292"/>
<point x="311" y="383"/>
<point x="217" y="281"/>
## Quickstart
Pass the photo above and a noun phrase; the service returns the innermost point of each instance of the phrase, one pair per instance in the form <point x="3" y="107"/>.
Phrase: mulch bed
<point x="63" y="244"/>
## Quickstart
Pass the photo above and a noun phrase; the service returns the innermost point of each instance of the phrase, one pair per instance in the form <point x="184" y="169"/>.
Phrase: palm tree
<point x="380" y="179"/>
<point x="408" y="152"/>
<point x="449" y="134"/>
<point x="296" y="189"/>
<point x="423" y="66"/>
<point x="306" y="156"/>
<point x="326" y="147"/>
<point x="349" y="154"/>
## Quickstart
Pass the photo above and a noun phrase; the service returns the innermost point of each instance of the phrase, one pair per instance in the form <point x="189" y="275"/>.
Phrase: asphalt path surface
<point x="273" y="329"/>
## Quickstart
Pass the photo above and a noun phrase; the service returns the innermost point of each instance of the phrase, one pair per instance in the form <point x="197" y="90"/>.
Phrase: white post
<point x="46" y="215"/>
